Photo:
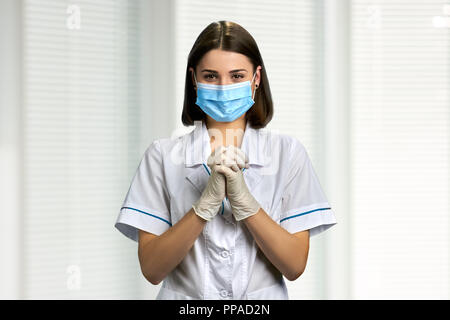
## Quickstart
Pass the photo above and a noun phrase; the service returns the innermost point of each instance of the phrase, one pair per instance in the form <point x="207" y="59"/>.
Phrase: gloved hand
<point x="234" y="158"/>
<point x="209" y="202"/>
<point x="243" y="204"/>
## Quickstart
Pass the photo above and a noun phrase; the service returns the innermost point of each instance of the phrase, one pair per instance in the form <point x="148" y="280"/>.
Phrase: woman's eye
<point x="235" y="76"/>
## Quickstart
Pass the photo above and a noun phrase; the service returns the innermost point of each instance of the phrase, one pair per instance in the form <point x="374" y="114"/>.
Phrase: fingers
<point x="239" y="152"/>
<point x="229" y="156"/>
<point x="216" y="157"/>
<point x="237" y="157"/>
<point x="231" y="160"/>
<point x="227" y="172"/>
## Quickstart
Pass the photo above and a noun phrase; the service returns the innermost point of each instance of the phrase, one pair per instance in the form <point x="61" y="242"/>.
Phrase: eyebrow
<point x="214" y="71"/>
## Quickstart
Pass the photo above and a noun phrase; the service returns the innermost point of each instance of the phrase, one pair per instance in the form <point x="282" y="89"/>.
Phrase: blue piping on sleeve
<point x="303" y="213"/>
<point x="149" y="214"/>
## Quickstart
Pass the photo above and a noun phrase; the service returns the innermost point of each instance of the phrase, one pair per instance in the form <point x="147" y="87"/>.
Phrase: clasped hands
<point x="226" y="179"/>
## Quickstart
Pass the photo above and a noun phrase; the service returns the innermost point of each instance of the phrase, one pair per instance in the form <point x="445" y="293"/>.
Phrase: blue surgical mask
<point x="225" y="103"/>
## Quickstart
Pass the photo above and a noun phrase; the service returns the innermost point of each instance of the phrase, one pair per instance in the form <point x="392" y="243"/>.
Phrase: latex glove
<point x="243" y="204"/>
<point x="235" y="158"/>
<point x="210" y="201"/>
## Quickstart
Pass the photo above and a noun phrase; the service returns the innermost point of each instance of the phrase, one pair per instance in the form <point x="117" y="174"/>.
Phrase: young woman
<point x="225" y="211"/>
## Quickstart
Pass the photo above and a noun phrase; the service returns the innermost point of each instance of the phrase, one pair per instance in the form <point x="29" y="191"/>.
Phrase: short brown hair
<point x="228" y="36"/>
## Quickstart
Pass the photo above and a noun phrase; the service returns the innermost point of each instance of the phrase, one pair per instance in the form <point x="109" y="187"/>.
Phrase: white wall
<point x="336" y="139"/>
<point x="10" y="149"/>
<point x="157" y="97"/>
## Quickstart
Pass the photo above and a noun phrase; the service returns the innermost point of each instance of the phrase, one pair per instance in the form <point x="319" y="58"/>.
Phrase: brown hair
<point x="228" y="36"/>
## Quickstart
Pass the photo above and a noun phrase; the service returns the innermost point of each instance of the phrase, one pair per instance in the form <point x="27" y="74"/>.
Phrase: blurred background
<point x="87" y="85"/>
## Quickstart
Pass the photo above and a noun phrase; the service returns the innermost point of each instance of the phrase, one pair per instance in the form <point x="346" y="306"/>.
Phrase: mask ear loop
<point x="256" y="86"/>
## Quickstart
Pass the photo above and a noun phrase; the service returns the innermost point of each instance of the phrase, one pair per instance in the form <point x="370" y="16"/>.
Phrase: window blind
<point x="400" y="149"/>
<point x="81" y="114"/>
<point x="288" y="37"/>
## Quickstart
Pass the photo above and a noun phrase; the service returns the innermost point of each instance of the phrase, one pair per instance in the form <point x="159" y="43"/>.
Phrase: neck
<point x="226" y="133"/>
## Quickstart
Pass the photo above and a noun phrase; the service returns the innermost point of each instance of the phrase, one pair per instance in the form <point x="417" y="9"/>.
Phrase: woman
<point x="225" y="211"/>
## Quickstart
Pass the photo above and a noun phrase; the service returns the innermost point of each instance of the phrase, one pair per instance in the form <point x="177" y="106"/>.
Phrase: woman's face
<point x="225" y="67"/>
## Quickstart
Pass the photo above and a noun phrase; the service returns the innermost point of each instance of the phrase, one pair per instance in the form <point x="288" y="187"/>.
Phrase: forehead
<point x="223" y="61"/>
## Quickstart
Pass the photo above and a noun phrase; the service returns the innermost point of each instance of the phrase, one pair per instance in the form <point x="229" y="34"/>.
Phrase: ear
<point x="191" y="70"/>
<point x="258" y="76"/>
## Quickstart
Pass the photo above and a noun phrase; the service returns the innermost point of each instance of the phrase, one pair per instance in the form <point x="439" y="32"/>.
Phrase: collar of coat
<point x="255" y="145"/>
<point x="198" y="146"/>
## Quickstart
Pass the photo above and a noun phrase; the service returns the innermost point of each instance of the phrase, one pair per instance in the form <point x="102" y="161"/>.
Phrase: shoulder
<point x="168" y="146"/>
<point x="286" y="144"/>
<point x="293" y="144"/>
<point x="175" y="143"/>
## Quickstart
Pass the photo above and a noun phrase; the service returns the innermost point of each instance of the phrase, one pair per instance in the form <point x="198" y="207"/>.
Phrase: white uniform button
<point x="224" y="293"/>
<point x="224" y="254"/>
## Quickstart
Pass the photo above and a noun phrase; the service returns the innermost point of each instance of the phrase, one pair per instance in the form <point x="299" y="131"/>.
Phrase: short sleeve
<point x="304" y="204"/>
<point x="147" y="203"/>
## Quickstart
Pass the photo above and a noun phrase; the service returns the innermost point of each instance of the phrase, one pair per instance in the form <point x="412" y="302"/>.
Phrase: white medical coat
<point x="224" y="262"/>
